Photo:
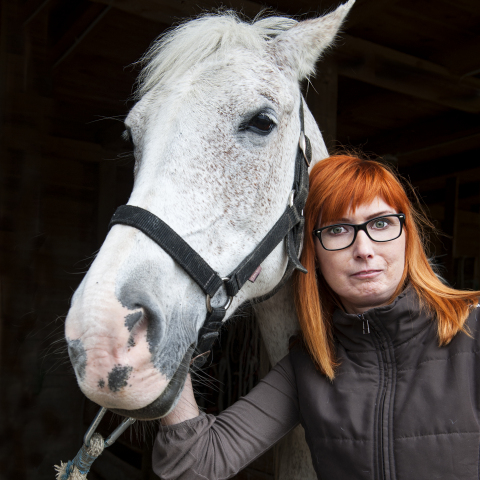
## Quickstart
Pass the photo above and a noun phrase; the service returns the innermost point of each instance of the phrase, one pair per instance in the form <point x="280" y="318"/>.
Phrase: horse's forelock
<point x="180" y="49"/>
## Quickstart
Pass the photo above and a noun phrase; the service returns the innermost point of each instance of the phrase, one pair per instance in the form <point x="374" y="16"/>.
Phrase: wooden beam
<point x="441" y="148"/>
<point x="165" y="11"/>
<point x="444" y="166"/>
<point x="461" y="58"/>
<point x="466" y="191"/>
<point x="168" y="12"/>
<point x="432" y="189"/>
<point x="82" y="26"/>
<point x="32" y="8"/>
<point x="363" y="10"/>
<point x="387" y="68"/>
<point x="429" y="139"/>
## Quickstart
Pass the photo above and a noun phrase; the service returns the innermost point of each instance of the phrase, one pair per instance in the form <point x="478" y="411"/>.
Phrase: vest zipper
<point x="380" y="405"/>
<point x="364" y="321"/>
<point x="381" y="408"/>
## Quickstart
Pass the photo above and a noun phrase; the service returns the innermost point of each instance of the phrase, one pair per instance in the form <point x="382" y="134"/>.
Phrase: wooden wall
<point x="60" y="180"/>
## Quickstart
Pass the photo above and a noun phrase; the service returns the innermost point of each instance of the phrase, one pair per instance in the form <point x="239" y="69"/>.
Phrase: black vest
<point x="400" y="407"/>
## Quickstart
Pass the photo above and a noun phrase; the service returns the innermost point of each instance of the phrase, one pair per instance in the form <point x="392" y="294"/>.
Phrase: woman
<point x="385" y="378"/>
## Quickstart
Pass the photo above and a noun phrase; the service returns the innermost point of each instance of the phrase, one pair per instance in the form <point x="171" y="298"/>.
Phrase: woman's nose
<point x="363" y="246"/>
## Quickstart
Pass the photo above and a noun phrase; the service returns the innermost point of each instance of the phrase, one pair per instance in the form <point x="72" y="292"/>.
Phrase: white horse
<point x="215" y="130"/>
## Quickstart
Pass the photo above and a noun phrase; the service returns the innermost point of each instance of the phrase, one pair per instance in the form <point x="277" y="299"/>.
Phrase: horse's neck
<point x="277" y="321"/>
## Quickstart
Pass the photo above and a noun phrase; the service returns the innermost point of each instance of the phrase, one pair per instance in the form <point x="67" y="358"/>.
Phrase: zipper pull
<point x="364" y="324"/>
<point x="368" y="327"/>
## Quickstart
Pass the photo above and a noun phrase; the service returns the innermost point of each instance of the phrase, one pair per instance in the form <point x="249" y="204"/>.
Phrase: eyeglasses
<point x="379" y="229"/>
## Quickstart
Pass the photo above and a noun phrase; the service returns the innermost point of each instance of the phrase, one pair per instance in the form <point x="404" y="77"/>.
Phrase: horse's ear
<point x="302" y="45"/>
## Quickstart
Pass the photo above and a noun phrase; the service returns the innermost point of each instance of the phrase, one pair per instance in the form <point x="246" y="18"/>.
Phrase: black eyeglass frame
<point x="363" y="226"/>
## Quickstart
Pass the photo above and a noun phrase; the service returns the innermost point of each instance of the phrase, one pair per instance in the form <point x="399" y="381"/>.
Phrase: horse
<point x="215" y="131"/>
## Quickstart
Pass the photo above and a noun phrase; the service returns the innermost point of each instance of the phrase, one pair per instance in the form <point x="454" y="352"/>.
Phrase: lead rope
<point x="93" y="446"/>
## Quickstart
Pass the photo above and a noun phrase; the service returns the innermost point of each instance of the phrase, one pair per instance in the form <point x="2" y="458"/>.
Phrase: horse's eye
<point x="261" y="124"/>
<point x="127" y="136"/>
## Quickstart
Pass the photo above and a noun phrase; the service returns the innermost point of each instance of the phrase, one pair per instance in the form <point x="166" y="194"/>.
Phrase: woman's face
<point x="366" y="274"/>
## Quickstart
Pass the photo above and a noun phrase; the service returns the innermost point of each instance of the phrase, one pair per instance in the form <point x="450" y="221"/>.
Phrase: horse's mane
<point x="180" y="49"/>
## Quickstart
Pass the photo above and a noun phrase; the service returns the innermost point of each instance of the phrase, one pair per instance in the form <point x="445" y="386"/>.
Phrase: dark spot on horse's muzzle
<point x="162" y="405"/>
<point x="118" y="377"/>
<point x="101" y="383"/>
<point x="78" y="357"/>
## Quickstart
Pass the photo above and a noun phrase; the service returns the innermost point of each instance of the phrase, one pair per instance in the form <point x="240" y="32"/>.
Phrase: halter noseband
<point x="288" y="226"/>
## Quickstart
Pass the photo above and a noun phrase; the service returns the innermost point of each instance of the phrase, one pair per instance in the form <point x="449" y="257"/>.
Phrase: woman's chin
<point x="366" y="296"/>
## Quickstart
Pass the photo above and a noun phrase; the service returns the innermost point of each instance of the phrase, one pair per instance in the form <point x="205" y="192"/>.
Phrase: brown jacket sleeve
<point x="216" y="448"/>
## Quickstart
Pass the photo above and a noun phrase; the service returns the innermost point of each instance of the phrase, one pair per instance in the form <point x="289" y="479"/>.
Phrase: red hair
<point x="340" y="183"/>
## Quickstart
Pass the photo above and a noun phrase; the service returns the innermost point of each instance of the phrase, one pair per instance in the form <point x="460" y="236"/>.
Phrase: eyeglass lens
<point x="382" y="229"/>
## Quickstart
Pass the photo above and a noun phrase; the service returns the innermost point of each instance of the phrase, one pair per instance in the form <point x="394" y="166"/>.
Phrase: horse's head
<point x="215" y="130"/>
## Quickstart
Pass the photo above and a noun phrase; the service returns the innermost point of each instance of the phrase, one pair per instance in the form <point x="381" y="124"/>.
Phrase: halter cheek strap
<point x="289" y="227"/>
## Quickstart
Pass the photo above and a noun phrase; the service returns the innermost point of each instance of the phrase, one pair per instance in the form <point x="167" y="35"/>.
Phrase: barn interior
<point x="402" y="82"/>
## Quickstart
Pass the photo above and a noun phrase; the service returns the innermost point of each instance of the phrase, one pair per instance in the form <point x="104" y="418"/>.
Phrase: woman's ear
<point x="300" y="47"/>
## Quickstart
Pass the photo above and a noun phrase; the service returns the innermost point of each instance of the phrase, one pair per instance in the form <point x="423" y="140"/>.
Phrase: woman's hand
<point x="186" y="407"/>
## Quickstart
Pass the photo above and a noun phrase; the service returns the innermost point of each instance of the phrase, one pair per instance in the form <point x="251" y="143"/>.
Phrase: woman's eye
<point x="261" y="124"/>
<point x="380" y="224"/>
<point x="337" y="230"/>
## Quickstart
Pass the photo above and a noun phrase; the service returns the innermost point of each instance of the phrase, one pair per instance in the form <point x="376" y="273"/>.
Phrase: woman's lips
<point x="367" y="274"/>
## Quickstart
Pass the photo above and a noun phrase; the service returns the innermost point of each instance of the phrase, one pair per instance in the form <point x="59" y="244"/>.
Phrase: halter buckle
<point x="227" y="304"/>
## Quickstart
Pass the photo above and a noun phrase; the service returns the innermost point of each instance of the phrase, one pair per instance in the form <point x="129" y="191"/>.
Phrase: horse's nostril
<point x="144" y="321"/>
<point x="132" y="319"/>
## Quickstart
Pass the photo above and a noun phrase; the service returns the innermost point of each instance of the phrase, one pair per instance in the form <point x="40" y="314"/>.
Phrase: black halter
<point x="288" y="226"/>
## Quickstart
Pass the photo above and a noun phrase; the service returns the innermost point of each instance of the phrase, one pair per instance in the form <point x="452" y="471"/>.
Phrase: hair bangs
<point x="360" y="184"/>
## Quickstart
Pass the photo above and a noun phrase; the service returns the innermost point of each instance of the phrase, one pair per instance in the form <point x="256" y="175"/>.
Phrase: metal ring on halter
<point x="229" y="300"/>
<point x="302" y="143"/>
<point x="291" y="197"/>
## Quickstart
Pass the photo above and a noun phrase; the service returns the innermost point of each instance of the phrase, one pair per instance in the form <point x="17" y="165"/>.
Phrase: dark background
<point x="402" y="82"/>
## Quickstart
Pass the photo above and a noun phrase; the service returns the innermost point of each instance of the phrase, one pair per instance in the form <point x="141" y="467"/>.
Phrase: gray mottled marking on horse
<point x="131" y="341"/>
<point x="101" y="383"/>
<point x="117" y="378"/>
<point x="78" y="356"/>
<point x="132" y="319"/>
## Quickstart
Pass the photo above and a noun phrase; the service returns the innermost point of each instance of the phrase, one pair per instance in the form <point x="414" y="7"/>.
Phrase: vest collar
<point x="397" y="322"/>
